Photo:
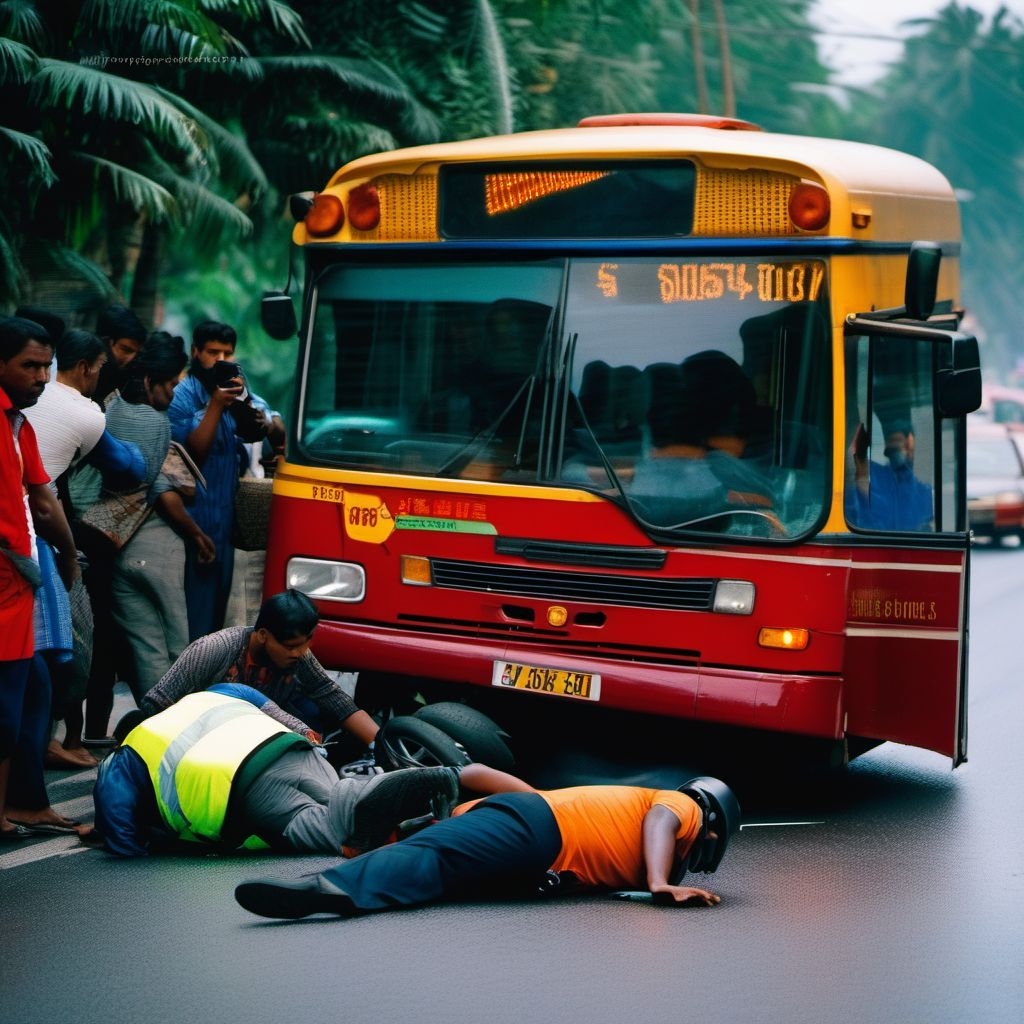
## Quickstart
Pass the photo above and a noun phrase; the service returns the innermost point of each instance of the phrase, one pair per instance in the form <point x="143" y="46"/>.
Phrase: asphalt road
<point x="893" y="894"/>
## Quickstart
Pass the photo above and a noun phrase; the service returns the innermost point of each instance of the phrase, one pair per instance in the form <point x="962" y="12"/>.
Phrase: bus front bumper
<point x="773" y="701"/>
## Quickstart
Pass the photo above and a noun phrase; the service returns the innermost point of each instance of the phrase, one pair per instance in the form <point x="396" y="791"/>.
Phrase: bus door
<point x="906" y="630"/>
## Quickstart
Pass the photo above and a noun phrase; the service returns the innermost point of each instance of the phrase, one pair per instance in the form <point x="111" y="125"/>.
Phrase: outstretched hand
<point x="684" y="895"/>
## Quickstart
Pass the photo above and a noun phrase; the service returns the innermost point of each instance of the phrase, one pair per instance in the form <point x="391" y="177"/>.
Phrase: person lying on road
<point x="515" y="843"/>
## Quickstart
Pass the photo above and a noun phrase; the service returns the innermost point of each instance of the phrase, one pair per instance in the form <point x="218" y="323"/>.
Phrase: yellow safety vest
<point x="197" y="750"/>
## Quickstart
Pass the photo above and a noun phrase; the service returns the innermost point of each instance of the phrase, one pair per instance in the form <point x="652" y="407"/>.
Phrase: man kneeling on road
<point x="214" y="768"/>
<point x="274" y="658"/>
<point x="594" y="837"/>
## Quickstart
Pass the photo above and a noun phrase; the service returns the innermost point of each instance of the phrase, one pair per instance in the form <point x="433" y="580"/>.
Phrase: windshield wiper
<point x="465" y="455"/>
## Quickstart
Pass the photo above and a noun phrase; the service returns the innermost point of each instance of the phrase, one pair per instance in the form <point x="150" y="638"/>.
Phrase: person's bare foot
<point x="43" y="816"/>
<point x="61" y="758"/>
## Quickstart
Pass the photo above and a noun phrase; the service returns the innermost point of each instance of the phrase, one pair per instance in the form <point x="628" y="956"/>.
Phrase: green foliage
<point x="955" y="99"/>
<point x="192" y="155"/>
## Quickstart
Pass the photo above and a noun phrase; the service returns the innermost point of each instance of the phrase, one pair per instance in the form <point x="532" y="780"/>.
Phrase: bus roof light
<point x="326" y="215"/>
<point x="364" y="207"/>
<point x="809" y="206"/>
<point x="732" y="124"/>
<point x="784" y="639"/>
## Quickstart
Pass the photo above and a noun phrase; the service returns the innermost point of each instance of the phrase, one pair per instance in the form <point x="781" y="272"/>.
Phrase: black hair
<point x="120" y="322"/>
<point x="76" y="346"/>
<point x="16" y="332"/>
<point x="288" y="615"/>
<point x="162" y="359"/>
<point x="50" y="322"/>
<point x="213" y="330"/>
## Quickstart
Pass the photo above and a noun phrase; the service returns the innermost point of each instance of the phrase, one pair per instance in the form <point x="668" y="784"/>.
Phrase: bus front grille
<point x="670" y="594"/>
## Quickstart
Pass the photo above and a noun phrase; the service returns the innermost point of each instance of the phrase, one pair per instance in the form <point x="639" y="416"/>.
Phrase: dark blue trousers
<point x="26" y="789"/>
<point x="14" y="677"/>
<point x="501" y="847"/>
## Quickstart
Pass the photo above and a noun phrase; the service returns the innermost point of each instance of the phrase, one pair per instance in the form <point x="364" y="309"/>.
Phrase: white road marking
<point x="59" y="846"/>
<point x="75" y="809"/>
<point x="88" y="774"/>
<point x="778" y="824"/>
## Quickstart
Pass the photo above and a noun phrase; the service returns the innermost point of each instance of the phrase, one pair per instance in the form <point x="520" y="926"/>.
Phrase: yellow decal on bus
<point x="367" y="518"/>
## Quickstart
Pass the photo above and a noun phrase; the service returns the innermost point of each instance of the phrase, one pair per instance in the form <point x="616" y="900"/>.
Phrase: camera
<point x="224" y="372"/>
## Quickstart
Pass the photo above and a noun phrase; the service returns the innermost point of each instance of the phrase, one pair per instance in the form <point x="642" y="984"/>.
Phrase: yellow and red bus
<point x="662" y="413"/>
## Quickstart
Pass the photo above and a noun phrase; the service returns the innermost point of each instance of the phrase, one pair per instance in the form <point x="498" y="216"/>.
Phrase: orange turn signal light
<point x="784" y="639"/>
<point x="416" y="571"/>
<point x="809" y="206"/>
<point x="326" y="215"/>
<point x="557" y="615"/>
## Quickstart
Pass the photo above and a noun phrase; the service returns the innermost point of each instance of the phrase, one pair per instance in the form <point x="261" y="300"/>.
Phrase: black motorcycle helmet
<point x="720" y="813"/>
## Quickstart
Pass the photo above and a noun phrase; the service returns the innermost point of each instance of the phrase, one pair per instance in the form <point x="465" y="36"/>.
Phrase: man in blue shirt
<point x="213" y="416"/>
<point x="888" y="496"/>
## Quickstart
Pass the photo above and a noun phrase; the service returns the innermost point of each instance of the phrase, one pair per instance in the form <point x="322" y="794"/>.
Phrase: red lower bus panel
<point x="783" y="703"/>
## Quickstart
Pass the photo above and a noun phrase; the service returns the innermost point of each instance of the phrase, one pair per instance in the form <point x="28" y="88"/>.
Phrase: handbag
<point x="181" y="472"/>
<point x="119" y="515"/>
<point x="252" y="513"/>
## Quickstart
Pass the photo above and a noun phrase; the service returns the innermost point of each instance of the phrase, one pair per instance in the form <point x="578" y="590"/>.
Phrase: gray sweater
<point x="209" y="659"/>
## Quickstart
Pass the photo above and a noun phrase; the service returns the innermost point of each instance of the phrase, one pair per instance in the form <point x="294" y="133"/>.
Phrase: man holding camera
<point x="211" y="413"/>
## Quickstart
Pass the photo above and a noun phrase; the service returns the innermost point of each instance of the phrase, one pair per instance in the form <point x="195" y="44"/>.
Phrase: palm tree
<point x="954" y="100"/>
<point x="111" y="163"/>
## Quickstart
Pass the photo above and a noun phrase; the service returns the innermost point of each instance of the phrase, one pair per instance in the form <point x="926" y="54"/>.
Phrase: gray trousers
<point x="300" y="799"/>
<point x="149" y="601"/>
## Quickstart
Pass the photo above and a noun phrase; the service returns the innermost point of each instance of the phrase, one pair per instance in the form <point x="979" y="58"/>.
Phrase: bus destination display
<point x="791" y="281"/>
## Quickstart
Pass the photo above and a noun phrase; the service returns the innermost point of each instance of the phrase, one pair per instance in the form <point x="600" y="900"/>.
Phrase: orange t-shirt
<point x="602" y="830"/>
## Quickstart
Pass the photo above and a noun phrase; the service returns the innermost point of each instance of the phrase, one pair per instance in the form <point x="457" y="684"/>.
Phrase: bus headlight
<point x="734" y="597"/>
<point x="327" y="581"/>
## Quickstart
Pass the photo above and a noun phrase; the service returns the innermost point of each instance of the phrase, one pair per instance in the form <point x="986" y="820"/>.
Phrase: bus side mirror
<point x="277" y="314"/>
<point x="958" y="387"/>
<point x="922" y="279"/>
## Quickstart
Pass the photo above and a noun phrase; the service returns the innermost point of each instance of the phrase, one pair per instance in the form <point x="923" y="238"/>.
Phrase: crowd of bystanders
<point x="120" y="458"/>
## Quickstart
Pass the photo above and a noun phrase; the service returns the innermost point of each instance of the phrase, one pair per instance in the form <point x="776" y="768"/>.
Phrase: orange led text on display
<point x="703" y="282"/>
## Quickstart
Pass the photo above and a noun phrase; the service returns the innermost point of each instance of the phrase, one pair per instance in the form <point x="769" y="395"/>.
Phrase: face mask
<point x="898" y="458"/>
<point x="203" y="375"/>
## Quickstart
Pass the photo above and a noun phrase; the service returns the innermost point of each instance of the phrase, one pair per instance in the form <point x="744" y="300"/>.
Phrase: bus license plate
<point x="556" y="681"/>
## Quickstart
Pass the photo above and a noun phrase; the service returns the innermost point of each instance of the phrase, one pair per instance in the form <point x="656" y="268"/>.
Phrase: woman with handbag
<point x="150" y="526"/>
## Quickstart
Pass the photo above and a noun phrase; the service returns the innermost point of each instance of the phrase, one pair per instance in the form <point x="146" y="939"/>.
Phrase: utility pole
<point x="699" y="74"/>
<point x="728" y="87"/>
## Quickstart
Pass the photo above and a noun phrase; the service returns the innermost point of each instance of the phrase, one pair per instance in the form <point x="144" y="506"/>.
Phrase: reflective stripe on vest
<point x="193" y="751"/>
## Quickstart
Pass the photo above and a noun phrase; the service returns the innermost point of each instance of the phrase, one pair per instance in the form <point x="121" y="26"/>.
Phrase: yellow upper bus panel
<point x="743" y="181"/>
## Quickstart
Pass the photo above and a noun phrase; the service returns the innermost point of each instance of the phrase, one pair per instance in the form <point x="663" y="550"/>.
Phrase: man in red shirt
<point x="27" y="505"/>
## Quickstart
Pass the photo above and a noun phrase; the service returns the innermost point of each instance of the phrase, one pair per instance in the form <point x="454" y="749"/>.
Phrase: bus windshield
<point x="694" y="393"/>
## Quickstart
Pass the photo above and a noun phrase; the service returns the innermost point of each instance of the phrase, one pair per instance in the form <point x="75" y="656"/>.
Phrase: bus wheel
<point x="407" y="742"/>
<point x="484" y="740"/>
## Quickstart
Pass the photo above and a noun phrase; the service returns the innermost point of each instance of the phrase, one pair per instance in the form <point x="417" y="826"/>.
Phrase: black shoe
<point x="395" y="797"/>
<point x="304" y="896"/>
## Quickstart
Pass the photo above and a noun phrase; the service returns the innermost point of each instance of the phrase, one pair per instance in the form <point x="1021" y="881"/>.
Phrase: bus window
<point x="429" y="369"/>
<point x="899" y="455"/>
<point x="700" y="393"/>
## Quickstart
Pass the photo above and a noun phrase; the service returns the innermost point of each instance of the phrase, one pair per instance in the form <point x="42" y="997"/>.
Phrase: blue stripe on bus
<point x="806" y="246"/>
